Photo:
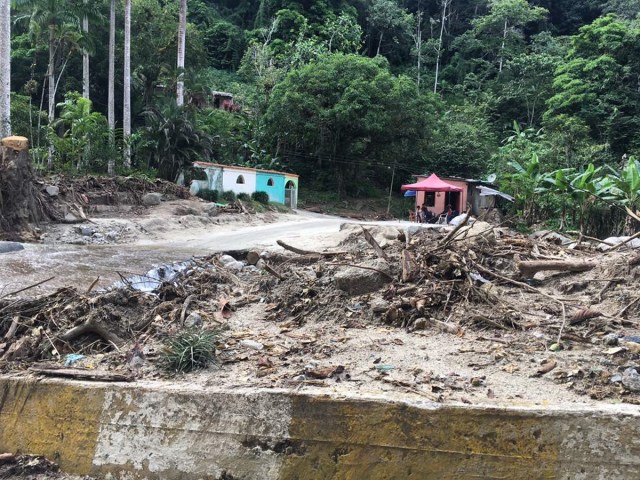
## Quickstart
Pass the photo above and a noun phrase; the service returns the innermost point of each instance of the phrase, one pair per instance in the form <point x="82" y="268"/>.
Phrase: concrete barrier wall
<point x="163" y="432"/>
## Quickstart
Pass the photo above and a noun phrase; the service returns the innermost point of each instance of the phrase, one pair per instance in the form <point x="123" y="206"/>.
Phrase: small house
<point x="223" y="101"/>
<point x="470" y="198"/>
<point x="280" y="186"/>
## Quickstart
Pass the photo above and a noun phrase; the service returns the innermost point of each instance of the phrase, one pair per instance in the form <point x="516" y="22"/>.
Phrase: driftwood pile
<point x="477" y="281"/>
<point x="69" y="321"/>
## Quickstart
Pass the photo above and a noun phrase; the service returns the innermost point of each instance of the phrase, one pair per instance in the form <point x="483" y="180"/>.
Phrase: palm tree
<point x="171" y="139"/>
<point x="182" y="33"/>
<point x="54" y="16"/>
<point x="5" y="68"/>
<point x="111" y="115"/>
<point x="85" y="55"/>
<point x="126" y="104"/>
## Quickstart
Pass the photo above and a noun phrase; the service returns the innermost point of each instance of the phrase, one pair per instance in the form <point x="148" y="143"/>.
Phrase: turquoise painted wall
<point x="276" y="192"/>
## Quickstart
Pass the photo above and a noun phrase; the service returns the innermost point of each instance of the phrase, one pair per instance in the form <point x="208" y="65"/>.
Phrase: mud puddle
<point x="78" y="266"/>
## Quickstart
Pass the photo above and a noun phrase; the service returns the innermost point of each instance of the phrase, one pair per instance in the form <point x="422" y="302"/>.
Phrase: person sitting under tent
<point x="451" y="214"/>
<point x="426" y="214"/>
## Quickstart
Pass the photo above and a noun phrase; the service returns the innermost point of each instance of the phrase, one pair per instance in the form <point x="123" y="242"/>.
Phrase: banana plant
<point x="524" y="183"/>
<point x="559" y="182"/>
<point x="587" y="187"/>
<point x="625" y="188"/>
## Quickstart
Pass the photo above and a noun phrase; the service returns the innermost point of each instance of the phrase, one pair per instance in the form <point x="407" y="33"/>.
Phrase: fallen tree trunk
<point x="78" y="374"/>
<point x="300" y="251"/>
<point x="529" y="268"/>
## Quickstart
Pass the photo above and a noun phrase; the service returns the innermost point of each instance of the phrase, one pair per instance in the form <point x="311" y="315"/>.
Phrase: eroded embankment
<point x="162" y="432"/>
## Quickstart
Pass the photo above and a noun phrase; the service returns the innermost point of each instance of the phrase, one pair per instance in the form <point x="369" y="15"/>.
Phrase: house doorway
<point x="453" y="199"/>
<point x="291" y="194"/>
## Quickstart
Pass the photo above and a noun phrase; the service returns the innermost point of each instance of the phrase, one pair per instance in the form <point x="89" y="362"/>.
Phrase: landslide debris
<point x="523" y="307"/>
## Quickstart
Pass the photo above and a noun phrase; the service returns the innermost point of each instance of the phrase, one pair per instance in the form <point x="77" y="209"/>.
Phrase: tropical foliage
<point x="542" y="93"/>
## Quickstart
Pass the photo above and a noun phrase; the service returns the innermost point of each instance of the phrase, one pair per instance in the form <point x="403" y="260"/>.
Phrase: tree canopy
<point x="337" y="90"/>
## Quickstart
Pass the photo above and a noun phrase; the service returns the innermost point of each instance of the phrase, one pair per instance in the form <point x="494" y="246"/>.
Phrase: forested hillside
<point x="340" y="91"/>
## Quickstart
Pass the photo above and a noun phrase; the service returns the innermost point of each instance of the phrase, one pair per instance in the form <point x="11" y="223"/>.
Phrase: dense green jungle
<point x="350" y="94"/>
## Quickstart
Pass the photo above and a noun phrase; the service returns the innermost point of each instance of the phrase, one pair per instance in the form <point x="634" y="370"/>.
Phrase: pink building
<point x="437" y="201"/>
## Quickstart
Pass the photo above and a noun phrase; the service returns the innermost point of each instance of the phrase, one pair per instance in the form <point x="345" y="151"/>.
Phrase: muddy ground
<point x="459" y="323"/>
<point x="386" y="310"/>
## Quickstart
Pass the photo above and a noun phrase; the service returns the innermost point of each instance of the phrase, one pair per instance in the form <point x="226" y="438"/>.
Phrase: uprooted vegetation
<point x="529" y="308"/>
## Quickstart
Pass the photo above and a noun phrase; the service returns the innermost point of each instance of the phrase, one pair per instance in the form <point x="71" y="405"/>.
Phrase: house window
<point x="270" y="182"/>
<point x="240" y="179"/>
<point x="430" y="199"/>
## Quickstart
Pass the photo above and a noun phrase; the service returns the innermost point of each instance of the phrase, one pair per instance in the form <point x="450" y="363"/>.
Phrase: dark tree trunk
<point x="21" y="202"/>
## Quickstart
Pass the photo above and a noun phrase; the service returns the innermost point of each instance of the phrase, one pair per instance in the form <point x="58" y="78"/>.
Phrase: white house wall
<point x="229" y="177"/>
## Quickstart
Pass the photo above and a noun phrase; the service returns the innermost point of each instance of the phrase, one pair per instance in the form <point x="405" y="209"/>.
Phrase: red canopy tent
<point x="431" y="184"/>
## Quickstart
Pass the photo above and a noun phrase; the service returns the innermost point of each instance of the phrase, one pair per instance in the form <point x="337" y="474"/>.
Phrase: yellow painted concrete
<point x="57" y="420"/>
<point x="376" y="440"/>
<point x="154" y="432"/>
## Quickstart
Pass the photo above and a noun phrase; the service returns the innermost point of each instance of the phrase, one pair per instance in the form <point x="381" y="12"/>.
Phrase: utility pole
<point x="393" y="175"/>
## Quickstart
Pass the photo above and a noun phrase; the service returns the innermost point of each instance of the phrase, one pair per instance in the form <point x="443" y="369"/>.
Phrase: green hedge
<point x="261" y="197"/>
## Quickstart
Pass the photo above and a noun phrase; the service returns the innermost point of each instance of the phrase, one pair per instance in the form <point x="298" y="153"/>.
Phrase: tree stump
<point x="21" y="202"/>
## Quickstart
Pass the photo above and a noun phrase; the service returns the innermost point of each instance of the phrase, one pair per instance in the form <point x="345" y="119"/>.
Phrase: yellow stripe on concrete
<point x="57" y="420"/>
<point x="354" y="439"/>
<point x="156" y="431"/>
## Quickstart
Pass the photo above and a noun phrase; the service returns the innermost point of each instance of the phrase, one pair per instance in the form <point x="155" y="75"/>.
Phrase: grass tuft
<point x="188" y="351"/>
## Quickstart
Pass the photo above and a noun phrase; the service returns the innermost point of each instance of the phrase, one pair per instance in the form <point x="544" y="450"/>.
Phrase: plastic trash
<point x="251" y="344"/>
<point x="72" y="358"/>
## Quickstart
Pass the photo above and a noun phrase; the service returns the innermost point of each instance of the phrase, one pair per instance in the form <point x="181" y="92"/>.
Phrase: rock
<point x="379" y="305"/>
<point x="6" y="247"/>
<point x="235" y="266"/>
<point x="98" y="236"/>
<point x="112" y="235"/>
<point x="260" y="263"/>
<point x="226" y="259"/>
<point x="151" y="199"/>
<point x="70" y="217"/>
<point x="420" y="323"/>
<point x="52" y="190"/>
<point x="182" y="211"/>
<point x="86" y="231"/>
<point x="455" y="221"/>
<point x="613" y="241"/>
<point x="253" y="257"/>
<point x="631" y="379"/>
<point x="194" y="320"/>
<point x="211" y="209"/>
<point x="357" y="281"/>
<point x="610" y="339"/>
<point x="479" y="231"/>
<point x="385" y="236"/>
<point x="552" y="237"/>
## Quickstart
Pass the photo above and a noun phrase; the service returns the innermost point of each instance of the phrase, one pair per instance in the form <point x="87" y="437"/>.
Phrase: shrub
<point x="262" y="197"/>
<point x="229" y="196"/>
<point x="208" y="195"/>
<point x="189" y="350"/>
<point x="244" y="197"/>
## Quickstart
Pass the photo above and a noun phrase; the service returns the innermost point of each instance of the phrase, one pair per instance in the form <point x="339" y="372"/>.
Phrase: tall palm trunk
<point x="443" y="19"/>
<point x="85" y="59"/>
<point x="126" y="104"/>
<point x="5" y="68"/>
<point x="52" y="89"/>
<point x="182" y="34"/>
<point x="111" y="115"/>
<point x="504" y="39"/>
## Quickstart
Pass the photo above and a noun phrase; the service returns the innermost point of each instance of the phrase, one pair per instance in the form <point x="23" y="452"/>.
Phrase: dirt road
<point x="80" y="265"/>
